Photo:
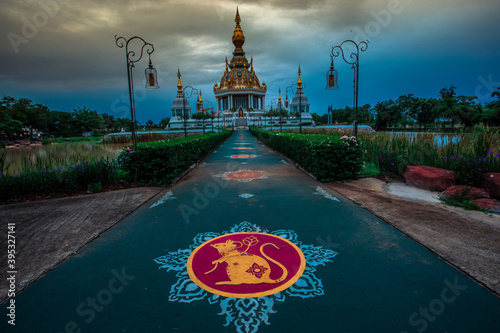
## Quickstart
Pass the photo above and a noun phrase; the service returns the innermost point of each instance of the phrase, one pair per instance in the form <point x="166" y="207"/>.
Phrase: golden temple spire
<point x="299" y="81"/>
<point x="200" y="97"/>
<point x="226" y="65"/>
<point x="251" y="63"/>
<point x="238" y="37"/>
<point x="179" y="83"/>
<point x="237" y="18"/>
<point x="279" y="101"/>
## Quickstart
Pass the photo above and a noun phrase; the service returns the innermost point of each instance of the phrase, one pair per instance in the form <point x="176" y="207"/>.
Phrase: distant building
<point x="299" y="101"/>
<point x="179" y="107"/>
<point x="241" y="99"/>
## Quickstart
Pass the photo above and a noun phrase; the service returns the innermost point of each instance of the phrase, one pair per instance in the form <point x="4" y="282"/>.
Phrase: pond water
<point x="17" y="158"/>
<point x="441" y="139"/>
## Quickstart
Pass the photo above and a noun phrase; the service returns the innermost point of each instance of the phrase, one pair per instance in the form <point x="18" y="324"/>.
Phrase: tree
<point x="122" y="123"/>
<point x="8" y="126"/>
<point x="467" y="110"/>
<point x="423" y="111"/>
<point x="282" y="113"/>
<point x="320" y="119"/>
<point x="150" y="124"/>
<point x="164" y="122"/>
<point x="446" y="105"/>
<point x="491" y="112"/>
<point x="61" y="124"/>
<point x="109" y="122"/>
<point x="365" y="115"/>
<point x="388" y="114"/>
<point x="85" y="120"/>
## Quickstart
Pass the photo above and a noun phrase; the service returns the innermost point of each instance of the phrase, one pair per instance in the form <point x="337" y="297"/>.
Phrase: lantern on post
<point x="331" y="77"/>
<point x="151" y="76"/>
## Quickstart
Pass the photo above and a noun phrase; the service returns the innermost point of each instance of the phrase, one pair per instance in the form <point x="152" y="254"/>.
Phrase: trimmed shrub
<point x="162" y="161"/>
<point x="327" y="157"/>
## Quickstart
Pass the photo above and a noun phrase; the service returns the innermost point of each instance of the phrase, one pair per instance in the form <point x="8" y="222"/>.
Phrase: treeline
<point x="20" y="118"/>
<point x="448" y="109"/>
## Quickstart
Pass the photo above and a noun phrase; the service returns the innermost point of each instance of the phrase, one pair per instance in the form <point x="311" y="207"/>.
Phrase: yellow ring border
<point x="200" y="284"/>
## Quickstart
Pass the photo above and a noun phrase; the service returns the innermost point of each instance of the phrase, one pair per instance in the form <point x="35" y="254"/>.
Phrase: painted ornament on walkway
<point x="249" y="241"/>
<point x="243" y="175"/>
<point x="242" y="156"/>
<point x="244" y="265"/>
<point x="242" y="148"/>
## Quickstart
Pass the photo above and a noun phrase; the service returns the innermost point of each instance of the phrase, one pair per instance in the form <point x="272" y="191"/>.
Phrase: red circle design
<point x="246" y="264"/>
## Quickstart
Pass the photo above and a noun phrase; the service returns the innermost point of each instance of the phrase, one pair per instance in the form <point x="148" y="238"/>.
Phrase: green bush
<point x="162" y="161"/>
<point x="46" y="141"/>
<point x="326" y="157"/>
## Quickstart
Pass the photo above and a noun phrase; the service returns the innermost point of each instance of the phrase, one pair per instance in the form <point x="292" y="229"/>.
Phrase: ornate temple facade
<point x="239" y="87"/>
<point x="241" y="98"/>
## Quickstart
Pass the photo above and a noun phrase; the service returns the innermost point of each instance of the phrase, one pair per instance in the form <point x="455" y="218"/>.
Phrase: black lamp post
<point x="151" y="74"/>
<point x="184" y="96"/>
<point x="354" y="61"/>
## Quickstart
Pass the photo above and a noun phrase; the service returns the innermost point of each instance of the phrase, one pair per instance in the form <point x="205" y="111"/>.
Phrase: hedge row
<point x="326" y="157"/>
<point x="162" y="161"/>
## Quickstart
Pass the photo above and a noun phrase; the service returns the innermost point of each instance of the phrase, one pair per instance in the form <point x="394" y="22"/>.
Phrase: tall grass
<point x="70" y="176"/>
<point x="470" y="155"/>
<point x="148" y="137"/>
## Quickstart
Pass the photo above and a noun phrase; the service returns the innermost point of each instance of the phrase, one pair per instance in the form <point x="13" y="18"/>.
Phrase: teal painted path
<point x="361" y="274"/>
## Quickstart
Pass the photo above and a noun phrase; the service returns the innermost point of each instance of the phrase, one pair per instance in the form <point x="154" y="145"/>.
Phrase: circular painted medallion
<point x="242" y="148"/>
<point x="246" y="264"/>
<point x="245" y="175"/>
<point x="242" y="143"/>
<point x="243" y="156"/>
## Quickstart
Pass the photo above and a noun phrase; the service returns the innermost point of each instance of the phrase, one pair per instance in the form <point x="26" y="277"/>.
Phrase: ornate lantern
<point x="331" y="77"/>
<point x="151" y="76"/>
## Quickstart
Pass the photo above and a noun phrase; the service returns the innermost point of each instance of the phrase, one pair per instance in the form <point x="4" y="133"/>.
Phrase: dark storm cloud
<point x="73" y="49"/>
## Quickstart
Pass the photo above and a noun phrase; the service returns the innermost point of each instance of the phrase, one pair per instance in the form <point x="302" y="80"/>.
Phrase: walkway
<point x="361" y="275"/>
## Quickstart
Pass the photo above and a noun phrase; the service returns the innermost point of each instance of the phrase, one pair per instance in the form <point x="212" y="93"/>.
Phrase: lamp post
<point x="151" y="74"/>
<point x="277" y="102"/>
<point x="354" y="62"/>
<point x="184" y="96"/>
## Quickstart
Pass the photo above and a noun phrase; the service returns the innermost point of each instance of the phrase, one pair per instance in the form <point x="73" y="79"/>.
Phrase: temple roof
<point x="239" y="73"/>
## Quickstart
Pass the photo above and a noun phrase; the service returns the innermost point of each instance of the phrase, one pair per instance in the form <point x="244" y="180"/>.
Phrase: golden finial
<point x="237" y="18"/>
<point x="299" y="81"/>
<point x="280" y="95"/>
<point x="179" y="83"/>
<point x="238" y="37"/>
<point x="200" y="96"/>
<point x="251" y="62"/>
<point x="226" y="65"/>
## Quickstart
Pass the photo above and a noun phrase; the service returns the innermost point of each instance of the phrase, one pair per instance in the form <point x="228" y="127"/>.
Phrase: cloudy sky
<point x="62" y="53"/>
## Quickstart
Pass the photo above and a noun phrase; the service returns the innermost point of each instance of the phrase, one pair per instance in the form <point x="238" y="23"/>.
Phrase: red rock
<point x="491" y="183"/>
<point x="458" y="191"/>
<point x="430" y="178"/>
<point x="490" y="205"/>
